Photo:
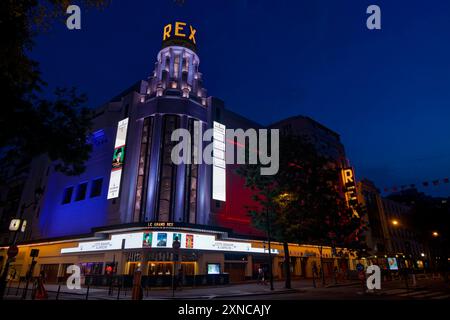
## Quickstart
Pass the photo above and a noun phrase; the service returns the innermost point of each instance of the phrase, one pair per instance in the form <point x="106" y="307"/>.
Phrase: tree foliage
<point x="303" y="201"/>
<point x="32" y="125"/>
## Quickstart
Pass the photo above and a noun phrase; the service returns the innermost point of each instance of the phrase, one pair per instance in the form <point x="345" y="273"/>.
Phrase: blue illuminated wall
<point x="78" y="217"/>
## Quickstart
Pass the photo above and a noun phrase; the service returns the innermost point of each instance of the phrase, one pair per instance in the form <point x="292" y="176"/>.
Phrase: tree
<point x="303" y="200"/>
<point x="31" y="125"/>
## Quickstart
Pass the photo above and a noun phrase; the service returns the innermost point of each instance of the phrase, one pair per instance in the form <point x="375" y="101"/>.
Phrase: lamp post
<point x="270" y="250"/>
<point x="4" y="276"/>
<point x="176" y="252"/>
<point x="441" y="249"/>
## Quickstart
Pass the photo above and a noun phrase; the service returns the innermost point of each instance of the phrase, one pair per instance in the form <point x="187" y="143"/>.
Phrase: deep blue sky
<point x="386" y="92"/>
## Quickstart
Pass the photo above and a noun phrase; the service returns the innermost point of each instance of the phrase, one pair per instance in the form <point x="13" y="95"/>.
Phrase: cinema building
<point x="124" y="212"/>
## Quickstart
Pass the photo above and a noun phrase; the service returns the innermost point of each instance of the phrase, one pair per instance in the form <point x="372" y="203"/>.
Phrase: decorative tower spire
<point x="176" y="68"/>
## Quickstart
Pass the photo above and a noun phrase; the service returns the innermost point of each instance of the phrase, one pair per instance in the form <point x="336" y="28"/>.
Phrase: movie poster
<point x="177" y="236"/>
<point x="162" y="240"/>
<point x="118" y="156"/>
<point x="392" y="264"/>
<point x="189" y="241"/>
<point x="147" y="240"/>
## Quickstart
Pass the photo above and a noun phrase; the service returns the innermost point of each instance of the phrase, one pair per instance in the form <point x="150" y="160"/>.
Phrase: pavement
<point x="301" y="289"/>
<point x="209" y="292"/>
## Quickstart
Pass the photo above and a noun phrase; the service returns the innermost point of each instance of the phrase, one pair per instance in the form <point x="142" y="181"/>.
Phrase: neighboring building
<point x="403" y="237"/>
<point x="326" y="141"/>
<point x="390" y="234"/>
<point x="377" y="236"/>
<point x="126" y="210"/>
<point x="431" y="219"/>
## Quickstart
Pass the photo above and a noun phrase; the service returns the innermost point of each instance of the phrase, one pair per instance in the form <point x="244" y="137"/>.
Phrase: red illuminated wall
<point x="233" y="213"/>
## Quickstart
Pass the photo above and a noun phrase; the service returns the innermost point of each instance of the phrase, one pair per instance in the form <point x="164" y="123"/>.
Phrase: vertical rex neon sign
<point x="117" y="162"/>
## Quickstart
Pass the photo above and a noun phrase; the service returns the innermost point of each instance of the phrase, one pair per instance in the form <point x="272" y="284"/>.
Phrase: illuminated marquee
<point x="163" y="240"/>
<point x="117" y="161"/>
<point x="179" y="34"/>
<point x="349" y="183"/>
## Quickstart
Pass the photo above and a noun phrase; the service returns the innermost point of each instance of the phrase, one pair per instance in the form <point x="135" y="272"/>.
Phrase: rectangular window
<point x="143" y="170"/>
<point x="167" y="170"/>
<point x="96" y="187"/>
<point x="81" y="191"/>
<point x="67" y="196"/>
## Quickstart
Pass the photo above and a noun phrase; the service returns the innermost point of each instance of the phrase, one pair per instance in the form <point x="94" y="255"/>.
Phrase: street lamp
<point x="20" y="228"/>
<point x="270" y="249"/>
<point x="395" y="222"/>
<point x="435" y="234"/>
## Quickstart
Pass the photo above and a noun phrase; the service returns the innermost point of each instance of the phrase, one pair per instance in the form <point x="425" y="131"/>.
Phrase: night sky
<point x="386" y="92"/>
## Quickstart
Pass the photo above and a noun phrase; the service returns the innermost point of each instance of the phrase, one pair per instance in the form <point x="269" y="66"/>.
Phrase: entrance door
<point x="236" y="271"/>
<point x="51" y="272"/>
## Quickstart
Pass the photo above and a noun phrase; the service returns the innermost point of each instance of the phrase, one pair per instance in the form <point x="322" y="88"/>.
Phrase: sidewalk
<point x="204" y="292"/>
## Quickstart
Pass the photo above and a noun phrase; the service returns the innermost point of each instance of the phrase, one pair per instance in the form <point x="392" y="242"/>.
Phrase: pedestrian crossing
<point x="417" y="294"/>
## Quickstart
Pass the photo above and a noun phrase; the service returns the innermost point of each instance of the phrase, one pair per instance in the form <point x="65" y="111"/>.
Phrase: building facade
<point x="392" y="240"/>
<point x="133" y="202"/>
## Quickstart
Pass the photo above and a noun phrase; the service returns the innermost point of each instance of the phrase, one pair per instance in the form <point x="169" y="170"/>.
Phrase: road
<point x="426" y="290"/>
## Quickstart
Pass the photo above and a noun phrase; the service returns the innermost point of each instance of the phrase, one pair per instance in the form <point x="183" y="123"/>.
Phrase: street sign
<point x="12" y="251"/>
<point x="34" y="253"/>
<point x="24" y="226"/>
<point x="14" y="225"/>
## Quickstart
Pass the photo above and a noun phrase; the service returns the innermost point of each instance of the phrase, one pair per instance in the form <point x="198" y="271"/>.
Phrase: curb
<point x="230" y="295"/>
<point x="342" y="285"/>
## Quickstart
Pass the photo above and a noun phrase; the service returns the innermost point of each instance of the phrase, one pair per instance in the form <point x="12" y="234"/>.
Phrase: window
<point x="81" y="191"/>
<point x="67" y="196"/>
<point x="96" y="188"/>
<point x="167" y="170"/>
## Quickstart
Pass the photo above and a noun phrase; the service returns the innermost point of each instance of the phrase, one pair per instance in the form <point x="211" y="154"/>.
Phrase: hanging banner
<point x="117" y="161"/>
<point x="219" y="166"/>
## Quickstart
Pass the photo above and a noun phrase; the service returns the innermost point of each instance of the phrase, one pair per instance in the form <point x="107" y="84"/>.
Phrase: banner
<point x="117" y="161"/>
<point x="219" y="166"/>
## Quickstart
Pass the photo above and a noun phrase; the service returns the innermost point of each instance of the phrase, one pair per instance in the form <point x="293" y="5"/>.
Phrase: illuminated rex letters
<point x="179" y="30"/>
<point x="349" y="184"/>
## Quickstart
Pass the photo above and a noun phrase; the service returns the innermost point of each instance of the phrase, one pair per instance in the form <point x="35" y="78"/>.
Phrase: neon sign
<point x="349" y="184"/>
<point x="179" y="33"/>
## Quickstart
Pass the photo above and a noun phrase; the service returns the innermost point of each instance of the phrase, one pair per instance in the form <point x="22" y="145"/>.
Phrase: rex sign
<point x="179" y="34"/>
<point x="349" y="185"/>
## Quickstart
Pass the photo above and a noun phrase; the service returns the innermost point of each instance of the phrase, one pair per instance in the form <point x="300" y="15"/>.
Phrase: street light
<point x="435" y="234"/>
<point x="395" y="222"/>
<point x="20" y="228"/>
<point x="270" y="249"/>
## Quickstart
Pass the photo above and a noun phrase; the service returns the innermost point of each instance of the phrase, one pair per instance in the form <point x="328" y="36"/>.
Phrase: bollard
<point x="33" y="291"/>
<point x="57" y="293"/>
<point x="118" y="292"/>
<point x="18" y="287"/>
<point x="87" y="292"/>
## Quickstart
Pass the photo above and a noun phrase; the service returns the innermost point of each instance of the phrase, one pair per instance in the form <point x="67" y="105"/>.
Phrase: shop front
<point x="205" y="257"/>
